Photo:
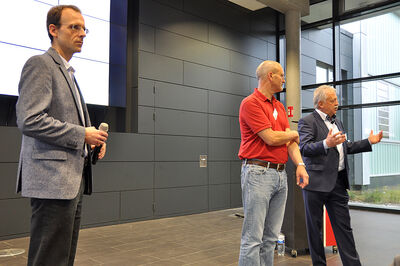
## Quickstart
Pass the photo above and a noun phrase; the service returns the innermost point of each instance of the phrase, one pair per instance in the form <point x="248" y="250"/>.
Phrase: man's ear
<point x="53" y="30"/>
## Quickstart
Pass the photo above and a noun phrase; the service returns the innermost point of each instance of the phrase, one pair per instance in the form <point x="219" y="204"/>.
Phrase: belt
<point x="278" y="166"/>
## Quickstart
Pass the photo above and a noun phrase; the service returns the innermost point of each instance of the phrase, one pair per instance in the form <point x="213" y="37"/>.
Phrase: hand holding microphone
<point x="96" y="137"/>
<point x="104" y="128"/>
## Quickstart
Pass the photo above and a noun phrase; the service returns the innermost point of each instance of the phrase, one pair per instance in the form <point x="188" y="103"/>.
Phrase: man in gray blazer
<point x="55" y="167"/>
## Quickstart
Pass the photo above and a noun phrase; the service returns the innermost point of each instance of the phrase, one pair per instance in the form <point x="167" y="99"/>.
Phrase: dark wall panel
<point x="8" y="177"/>
<point x="181" y="47"/>
<point x="175" y="122"/>
<point x="124" y="147"/>
<point x="179" y="174"/>
<point x="122" y="176"/>
<point x="10" y="143"/>
<point x="136" y="204"/>
<point x="159" y="67"/>
<point x="215" y="79"/>
<point x="219" y="173"/>
<point x="219" y="197"/>
<point x="146" y="92"/>
<point x="168" y="18"/>
<point x="219" y="126"/>
<point x="101" y="208"/>
<point x="180" y="97"/>
<point x="176" y="148"/>
<point x="181" y="200"/>
<point x="15" y="217"/>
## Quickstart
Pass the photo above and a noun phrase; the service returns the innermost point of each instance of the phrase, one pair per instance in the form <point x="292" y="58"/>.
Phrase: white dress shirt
<point x="335" y="129"/>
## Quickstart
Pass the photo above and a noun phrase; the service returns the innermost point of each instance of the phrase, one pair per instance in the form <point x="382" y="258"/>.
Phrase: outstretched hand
<point x="333" y="140"/>
<point x="373" y="139"/>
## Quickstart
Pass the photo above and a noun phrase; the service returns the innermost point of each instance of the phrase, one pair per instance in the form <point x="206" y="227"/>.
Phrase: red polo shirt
<point x="256" y="114"/>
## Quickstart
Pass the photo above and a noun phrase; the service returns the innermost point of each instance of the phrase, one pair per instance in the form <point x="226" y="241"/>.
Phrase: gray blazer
<point x="52" y="151"/>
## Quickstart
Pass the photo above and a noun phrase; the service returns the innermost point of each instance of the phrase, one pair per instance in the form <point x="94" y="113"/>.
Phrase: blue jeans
<point x="264" y="193"/>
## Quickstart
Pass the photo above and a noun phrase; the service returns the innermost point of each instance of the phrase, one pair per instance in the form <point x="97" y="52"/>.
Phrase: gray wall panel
<point x="179" y="174"/>
<point x="101" y="208"/>
<point x="10" y="141"/>
<point x="235" y="171"/>
<point x="178" y="4"/>
<point x="219" y="149"/>
<point x="215" y="79"/>
<point x="244" y="64"/>
<point x="129" y="147"/>
<point x="242" y="43"/>
<point x="219" y="126"/>
<point x="235" y="147"/>
<point x="145" y="119"/>
<point x="136" y="204"/>
<point x="308" y="64"/>
<point x="181" y="47"/>
<point x="173" y="20"/>
<point x="219" y="172"/>
<point x="253" y="85"/>
<point x="15" y="217"/>
<point x="180" y="97"/>
<point x="146" y="92"/>
<point x="176" y="148"/>
<point x="219" y="197"/>
<point x="224" y="104"/>
<point x="235" y="127"/>
<point x="307" y="79"/>
<point x="120" y="176"/>
<point x="181" y="200"/>
<point x="322" y="37"/>
<point x="180" y="122"/>
<point x="159" y="67"/>
<point x="8" y="180"/>
<point x="262" y="25"/>
<point x="146" y="38"/>
<point x="236" y="196"/>
<point x="317" y="51"/>
<point x="271" y="51"/>
<point x="221" y="13"/>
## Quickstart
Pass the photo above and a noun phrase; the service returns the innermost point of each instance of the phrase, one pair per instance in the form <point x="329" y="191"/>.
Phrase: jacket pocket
<point x="57" y="155"/>
<point x="315" y="167"/>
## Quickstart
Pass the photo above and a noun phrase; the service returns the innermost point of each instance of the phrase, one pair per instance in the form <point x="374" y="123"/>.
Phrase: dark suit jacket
<point x="52" y="150"/>
<point x="321" y="165"/>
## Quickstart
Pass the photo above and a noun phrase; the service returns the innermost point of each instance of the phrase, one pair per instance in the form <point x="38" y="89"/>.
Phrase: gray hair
<point x="320" y="94"/>
<point x="265" y="67"/>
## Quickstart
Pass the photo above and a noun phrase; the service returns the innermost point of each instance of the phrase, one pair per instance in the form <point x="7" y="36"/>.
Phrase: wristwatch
<point x="301" y="164"/>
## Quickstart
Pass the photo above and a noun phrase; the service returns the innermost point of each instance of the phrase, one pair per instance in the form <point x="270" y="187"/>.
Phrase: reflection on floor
<point x="201" y="239"/>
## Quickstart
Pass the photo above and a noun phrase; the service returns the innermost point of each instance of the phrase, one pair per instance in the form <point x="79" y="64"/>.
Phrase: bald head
<point x="267" y="67"/>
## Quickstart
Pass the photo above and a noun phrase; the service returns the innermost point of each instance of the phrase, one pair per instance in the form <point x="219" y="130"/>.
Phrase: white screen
<point x="23" y="34"/>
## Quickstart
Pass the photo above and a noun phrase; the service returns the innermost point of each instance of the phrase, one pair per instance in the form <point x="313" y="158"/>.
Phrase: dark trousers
<point x="54" y="230"/>
<point x="336" y="203"/>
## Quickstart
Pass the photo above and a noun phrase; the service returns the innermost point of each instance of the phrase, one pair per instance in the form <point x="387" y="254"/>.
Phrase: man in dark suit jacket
<point x="324" y="148"/>
<point x="55" y="152"/>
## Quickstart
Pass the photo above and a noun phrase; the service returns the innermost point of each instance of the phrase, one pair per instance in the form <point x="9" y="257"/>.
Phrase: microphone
<point x="95" y="156"/>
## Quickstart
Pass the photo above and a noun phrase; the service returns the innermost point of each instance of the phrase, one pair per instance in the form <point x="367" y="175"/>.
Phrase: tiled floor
<point x="201" y="239"/>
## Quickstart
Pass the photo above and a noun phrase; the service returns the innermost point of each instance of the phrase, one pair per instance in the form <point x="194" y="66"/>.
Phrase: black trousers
<point x="54" y="230"/>
<point x="336" y="203"/>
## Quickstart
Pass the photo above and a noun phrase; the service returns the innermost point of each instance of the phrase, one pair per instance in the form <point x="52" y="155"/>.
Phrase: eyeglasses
<point x="76" y="27"/>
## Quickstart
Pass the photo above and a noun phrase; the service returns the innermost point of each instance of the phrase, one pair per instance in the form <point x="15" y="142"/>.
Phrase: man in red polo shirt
<point x="266" y="143"/>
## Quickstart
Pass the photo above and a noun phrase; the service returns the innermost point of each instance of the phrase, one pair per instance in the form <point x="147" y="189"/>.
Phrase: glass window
<point x="356" y="4"/>
<point x="369" y="47"/>
<point x="316" y="53"/>
<point x="318" y="11"/>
